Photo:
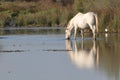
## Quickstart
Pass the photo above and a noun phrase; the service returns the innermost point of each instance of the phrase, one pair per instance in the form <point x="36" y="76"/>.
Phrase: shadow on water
<point x="103" y="54"/>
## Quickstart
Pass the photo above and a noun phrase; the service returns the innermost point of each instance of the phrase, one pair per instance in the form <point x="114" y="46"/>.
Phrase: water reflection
<point x="96" y="60"/>
<point x="81" y="55"/>
<point x="34" y="30"/>
<point x="110" y="56"/>
<point x="102" y="55"/>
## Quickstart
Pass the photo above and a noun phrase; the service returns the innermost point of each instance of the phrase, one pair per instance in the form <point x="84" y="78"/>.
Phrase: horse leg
<point x="82" y="33"/>
<point x="93" y="30"/>
<point x="75" y="32"/>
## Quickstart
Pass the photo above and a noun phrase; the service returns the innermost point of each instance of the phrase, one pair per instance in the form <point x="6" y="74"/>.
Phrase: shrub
<point x="58" y="12"/>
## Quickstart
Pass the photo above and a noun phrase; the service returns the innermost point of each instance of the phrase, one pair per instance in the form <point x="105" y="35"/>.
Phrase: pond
<point x="44" y="54"/>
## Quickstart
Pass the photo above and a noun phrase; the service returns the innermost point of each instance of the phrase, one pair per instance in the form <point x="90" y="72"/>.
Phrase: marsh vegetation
<point x="30" y="13"/>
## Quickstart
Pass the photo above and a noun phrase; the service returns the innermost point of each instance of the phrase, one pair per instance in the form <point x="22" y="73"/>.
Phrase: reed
<point x="30" y="13"/>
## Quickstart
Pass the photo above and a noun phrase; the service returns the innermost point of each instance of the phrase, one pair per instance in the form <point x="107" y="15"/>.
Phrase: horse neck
<point x="69" y="26"/>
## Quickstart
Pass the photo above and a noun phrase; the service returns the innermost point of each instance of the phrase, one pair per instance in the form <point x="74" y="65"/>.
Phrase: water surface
<point x="37" y="54"/>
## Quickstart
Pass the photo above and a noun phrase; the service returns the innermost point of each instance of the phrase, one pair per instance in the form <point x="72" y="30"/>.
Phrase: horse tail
<point x="96" y="18"/>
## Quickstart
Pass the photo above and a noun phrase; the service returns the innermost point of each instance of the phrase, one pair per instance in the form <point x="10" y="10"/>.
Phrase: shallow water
<point x="46" y="55"/>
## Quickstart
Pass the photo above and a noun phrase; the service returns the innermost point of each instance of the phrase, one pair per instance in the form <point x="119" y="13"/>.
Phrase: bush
<point x="58" y="12"/>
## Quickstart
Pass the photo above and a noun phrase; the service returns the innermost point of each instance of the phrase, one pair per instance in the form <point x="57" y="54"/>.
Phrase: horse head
<point x="67" y="34"/>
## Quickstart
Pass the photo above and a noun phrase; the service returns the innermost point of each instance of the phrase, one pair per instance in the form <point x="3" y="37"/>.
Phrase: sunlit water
<point x="33" y="55"/>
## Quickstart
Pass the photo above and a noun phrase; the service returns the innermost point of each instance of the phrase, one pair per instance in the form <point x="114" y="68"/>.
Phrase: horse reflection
<point x="82" y="57"/>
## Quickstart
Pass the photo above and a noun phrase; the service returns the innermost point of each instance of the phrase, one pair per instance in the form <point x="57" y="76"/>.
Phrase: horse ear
<point x="65" y="25"/>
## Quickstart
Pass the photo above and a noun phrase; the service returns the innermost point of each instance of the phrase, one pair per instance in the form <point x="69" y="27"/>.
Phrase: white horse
<point x="82" y="21"/>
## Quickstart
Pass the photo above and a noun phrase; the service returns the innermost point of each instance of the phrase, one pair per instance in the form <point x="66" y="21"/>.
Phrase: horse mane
<point x="66" y="25"/>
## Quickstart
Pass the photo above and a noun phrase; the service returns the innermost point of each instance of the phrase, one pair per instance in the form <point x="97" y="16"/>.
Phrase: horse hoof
<point x="67" y="38"/>
<point x="94" y="38"/>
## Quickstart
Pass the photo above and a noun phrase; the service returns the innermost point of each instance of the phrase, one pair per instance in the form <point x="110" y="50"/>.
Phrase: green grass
<point x="53" y="13"/>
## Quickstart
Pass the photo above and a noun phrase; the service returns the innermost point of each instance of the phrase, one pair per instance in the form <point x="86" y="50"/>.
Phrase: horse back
<point x="90" y="18"/>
